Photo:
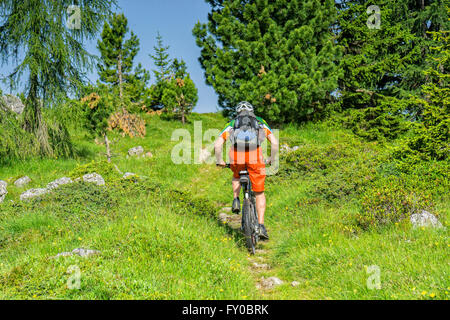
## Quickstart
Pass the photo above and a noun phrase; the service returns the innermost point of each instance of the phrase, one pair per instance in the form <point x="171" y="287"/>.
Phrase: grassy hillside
<point x="160" y="239"/>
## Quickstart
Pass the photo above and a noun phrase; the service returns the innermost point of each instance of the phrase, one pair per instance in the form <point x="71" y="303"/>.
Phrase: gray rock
<point x="270" y="283"/>
<point x="263" y="266"/>
<point x="128" y="174"/>
<point x="295" y="283"/>
<point x="136" y="151"/>
<point x="22" y="182"/>
<point x="59" y="182"/>
<point x="33" y="193"/>
<point x="13" y="103"/>
<point x="223" y="217"/>
<point x="64" y="254"/>
<point x="85" y="253"/>
<point x="425" y="219"/>
<point x="284" y="148"/>
<point x="94" y="178"/>
<point x="3" y="190"/>
<point x="226" y="209"/>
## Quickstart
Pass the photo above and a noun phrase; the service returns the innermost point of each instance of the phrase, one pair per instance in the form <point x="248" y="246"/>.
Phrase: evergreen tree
<point x="162" y="73"/>
<point x="180" y="94"/>
<point x="53" y="54"/>
<point x="117" y="56"/>
<point x="98" y="107"/>
<point x="382" y="68"/>
<point x="388" y="61"/>
<point x="278" y="55"/>
<point x="430" y="139"/>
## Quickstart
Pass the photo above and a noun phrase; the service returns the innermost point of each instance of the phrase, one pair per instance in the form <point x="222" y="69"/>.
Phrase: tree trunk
<point x="33" y="120"/>
<point x="108" y="149"/>
<point x="119" y="67"/>
<point x="182" y="106"/>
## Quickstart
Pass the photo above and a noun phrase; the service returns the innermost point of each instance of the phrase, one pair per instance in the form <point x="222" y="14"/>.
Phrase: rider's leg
<point x="236" y="187"/>
<point x="260" y="206"/>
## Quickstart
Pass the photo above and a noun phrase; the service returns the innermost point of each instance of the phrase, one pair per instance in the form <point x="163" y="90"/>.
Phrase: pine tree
<point x="180" y="94"/>
<point x="388" y="61"/>
<point x="278" y="55"/>
<point x="162" y="73"/>
<point x="98" y="106"/>
<point x="382" y="68"/>
<point x="53" y="55"/>
<point x="431" y="136"/>
<point x="161" y="60"/>
<point x="117" y="56"/>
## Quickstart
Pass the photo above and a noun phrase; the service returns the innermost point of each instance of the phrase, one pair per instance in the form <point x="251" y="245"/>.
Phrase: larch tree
<point x="45" y="39"/>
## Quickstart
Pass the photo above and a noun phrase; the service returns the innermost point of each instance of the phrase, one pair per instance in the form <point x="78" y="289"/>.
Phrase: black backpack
<point x="247" y="132"/>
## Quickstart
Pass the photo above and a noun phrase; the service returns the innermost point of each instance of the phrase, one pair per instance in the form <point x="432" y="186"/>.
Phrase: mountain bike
<point x="250" y="225"/>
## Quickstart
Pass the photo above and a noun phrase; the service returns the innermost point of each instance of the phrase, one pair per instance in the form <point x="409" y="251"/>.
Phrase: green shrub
<point x="391" y="200"/>
<point x="345" y="181"/>
<point x="104" y="168"/>
<point x="81" y="201"/>
<point x="15" y="143"/>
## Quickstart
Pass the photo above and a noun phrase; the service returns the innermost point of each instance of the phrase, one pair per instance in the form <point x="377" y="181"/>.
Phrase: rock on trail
<point x="269" y="283"/>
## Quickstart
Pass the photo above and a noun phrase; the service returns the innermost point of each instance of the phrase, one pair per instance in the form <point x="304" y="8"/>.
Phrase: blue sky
<point x="174" y="19"/>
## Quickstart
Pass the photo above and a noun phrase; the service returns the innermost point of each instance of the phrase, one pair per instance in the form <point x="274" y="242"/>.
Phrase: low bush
<point x="104" y="168"/>
<point x="391" y="200"/>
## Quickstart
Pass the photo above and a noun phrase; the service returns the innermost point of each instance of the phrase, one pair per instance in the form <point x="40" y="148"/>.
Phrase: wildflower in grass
<point x="79" y="238"/>
<point x="432" y="295"/>
<point x="424" y="293"/>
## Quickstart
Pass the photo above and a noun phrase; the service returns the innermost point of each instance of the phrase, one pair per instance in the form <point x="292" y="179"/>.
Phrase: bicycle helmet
<point x="244" y="105"/>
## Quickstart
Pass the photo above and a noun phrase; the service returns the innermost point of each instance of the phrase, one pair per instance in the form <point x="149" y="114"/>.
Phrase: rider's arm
<point x="273" y="147"/>
<point x="218" y="147"/>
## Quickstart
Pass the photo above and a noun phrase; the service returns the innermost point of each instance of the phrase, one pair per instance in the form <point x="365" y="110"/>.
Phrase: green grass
<point x="158" y="243"/>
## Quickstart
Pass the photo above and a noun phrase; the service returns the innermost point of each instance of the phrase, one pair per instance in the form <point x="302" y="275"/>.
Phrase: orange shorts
<point x="253" y="161"/>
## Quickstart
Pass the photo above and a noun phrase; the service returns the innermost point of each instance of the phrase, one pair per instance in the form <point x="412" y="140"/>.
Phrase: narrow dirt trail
<point x="259" y="267"/>
<point x="264" y="275"/>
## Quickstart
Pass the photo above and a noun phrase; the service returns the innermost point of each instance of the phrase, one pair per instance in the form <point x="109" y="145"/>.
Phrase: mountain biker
<point x="248" y="156"/>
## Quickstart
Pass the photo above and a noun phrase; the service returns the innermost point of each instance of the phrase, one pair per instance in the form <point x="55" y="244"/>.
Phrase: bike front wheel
<point x="249" y="225"/>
